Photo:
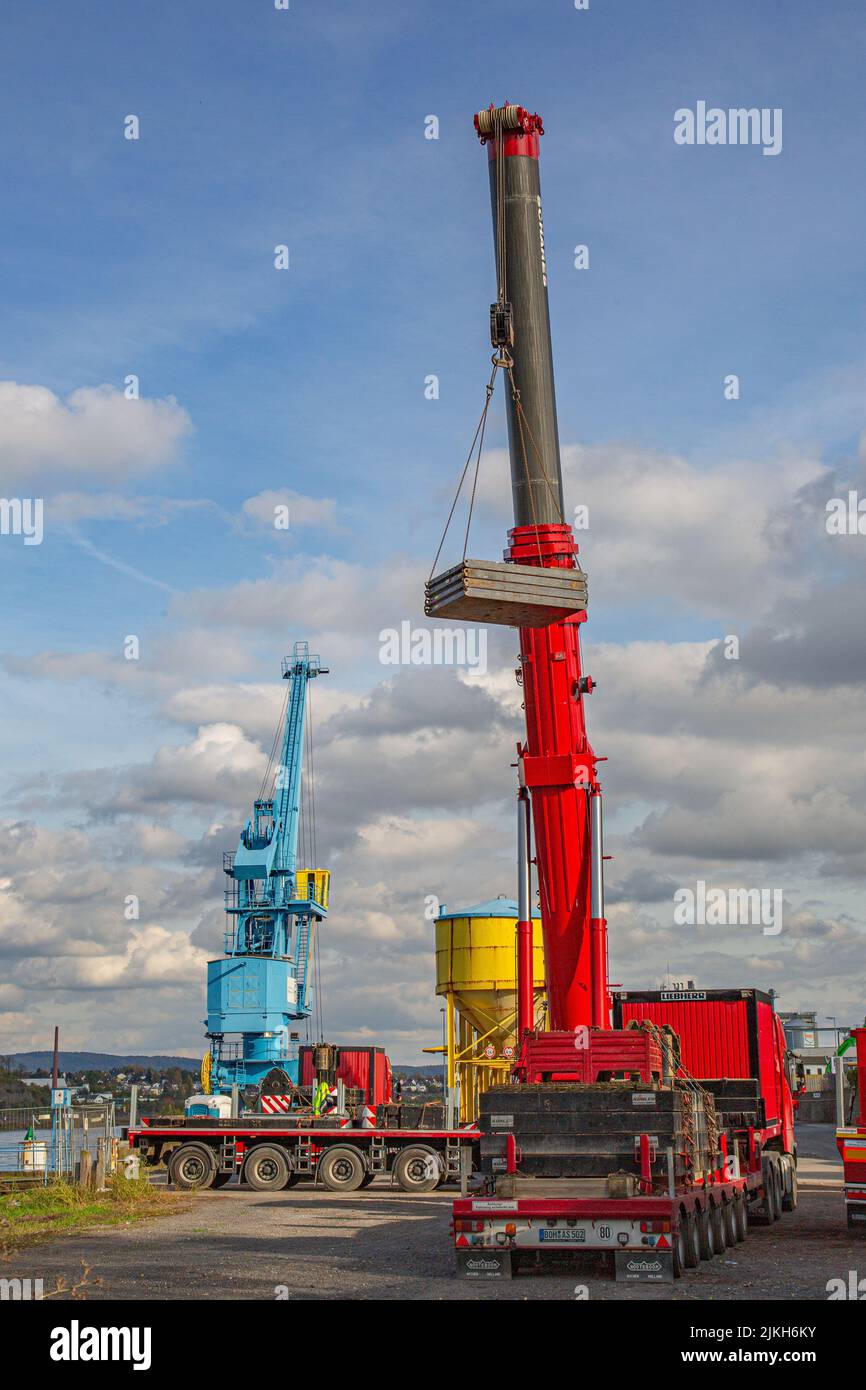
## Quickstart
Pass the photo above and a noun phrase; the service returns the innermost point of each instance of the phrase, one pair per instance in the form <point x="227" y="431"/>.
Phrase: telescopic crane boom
<point x="557" y="763"/>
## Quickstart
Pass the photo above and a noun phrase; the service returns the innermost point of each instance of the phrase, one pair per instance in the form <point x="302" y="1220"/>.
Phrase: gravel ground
<point x="382" y="1244"/>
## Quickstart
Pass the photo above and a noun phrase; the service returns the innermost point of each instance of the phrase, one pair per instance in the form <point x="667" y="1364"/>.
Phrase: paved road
<point x="818" y="1161"/>
<point x="389" y="1245"/>
<point x="818" y="1141"/>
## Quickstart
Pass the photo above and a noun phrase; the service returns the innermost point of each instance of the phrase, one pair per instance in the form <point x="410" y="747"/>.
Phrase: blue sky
<point x="306" y="127"/>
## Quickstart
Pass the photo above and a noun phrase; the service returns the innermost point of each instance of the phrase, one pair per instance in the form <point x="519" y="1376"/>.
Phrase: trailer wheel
<point x="777" y="1185"/>
<point x="705" y="1234"/>
<point x="729" y="1223"/>
<point x="764" y="1212"/>
<point x="192" y="1166"/>
<point x="692" y="1239"/>
<point x="342" y="1169"/>
<point x="418" y="1169"/>
<point x="789" y="1199"/>
<point x="717" y="1221"/>
<point x="266" y="1168"/>
<point x="741" y="1217"/>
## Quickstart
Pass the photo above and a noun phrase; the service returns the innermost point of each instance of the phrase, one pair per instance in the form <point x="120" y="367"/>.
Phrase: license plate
<point x="567" y="1235"/>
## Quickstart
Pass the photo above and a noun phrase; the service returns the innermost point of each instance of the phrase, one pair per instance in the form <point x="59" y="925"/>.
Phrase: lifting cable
<point x="311" y="778"/>
<point x="312" y="846"/>
<point x="477" y="438"/>
<point x="317" y="988"/>
<point x="268" y="779"/>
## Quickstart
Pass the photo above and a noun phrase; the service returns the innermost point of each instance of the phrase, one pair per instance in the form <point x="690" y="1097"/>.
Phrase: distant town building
<point x="815" y="1044"/>
<point x="801" y="1030"/>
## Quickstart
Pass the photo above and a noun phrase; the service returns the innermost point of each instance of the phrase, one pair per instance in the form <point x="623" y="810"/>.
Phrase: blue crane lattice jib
<point x="262" y="986"/>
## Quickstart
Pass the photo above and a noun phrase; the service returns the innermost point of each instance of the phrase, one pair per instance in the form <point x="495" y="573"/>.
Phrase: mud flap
<point x="484" y="1264"/>
<point x="639" y="1267"/>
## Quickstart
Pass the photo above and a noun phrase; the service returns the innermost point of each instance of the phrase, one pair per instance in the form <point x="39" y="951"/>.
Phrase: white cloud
<point x="663" y="531"/>
<point x="215" y="768"/>
<point x="714" y="771"/>
<point x="94" y="434"/>
<point x="302" y="511"/>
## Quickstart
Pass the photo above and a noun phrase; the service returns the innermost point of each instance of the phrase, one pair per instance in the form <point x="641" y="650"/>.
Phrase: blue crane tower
<point x="262" y="986"/>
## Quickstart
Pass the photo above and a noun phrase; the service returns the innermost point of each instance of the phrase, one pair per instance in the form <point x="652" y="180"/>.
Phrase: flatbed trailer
<point x="654" y="1237"/>
<point x="269" y="1153"/>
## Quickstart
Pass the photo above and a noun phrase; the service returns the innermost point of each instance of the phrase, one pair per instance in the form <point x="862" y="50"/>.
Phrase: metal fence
<point x="38" y="1144"/>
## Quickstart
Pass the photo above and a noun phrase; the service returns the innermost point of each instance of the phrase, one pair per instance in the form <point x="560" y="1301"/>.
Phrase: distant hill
<point x="14" y="1092"/>
<point x="30" y="1062"/>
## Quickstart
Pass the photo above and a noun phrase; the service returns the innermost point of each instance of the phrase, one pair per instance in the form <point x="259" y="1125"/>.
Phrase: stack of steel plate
<point x="491" y="591"/>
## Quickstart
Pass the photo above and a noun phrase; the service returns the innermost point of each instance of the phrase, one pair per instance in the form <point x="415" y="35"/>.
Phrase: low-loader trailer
<point x="272" y="1152"/>
<point x="662" y="1171"/>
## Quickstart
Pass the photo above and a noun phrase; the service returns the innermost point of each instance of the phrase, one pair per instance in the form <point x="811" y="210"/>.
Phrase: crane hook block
<point x="501" y="325"/>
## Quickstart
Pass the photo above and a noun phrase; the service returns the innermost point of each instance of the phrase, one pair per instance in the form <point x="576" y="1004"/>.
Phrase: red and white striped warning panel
<point x="276" y="1105"/>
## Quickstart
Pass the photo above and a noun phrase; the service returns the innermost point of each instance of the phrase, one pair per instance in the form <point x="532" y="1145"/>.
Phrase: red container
<point x="724" y="1033"/>
<point x="367" y="1068"/>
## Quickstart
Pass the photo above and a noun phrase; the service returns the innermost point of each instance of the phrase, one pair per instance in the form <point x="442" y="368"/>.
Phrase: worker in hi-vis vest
<point x="320" y="1096"/>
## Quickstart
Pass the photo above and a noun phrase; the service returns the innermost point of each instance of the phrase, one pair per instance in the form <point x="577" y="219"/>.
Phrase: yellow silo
<point x="476" y="972"/>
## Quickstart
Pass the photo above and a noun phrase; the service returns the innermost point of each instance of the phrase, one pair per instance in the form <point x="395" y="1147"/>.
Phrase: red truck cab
<point x="726" y="1036"/>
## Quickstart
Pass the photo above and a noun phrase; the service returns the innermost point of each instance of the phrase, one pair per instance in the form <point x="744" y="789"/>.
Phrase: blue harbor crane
<point x="262" y="988"/>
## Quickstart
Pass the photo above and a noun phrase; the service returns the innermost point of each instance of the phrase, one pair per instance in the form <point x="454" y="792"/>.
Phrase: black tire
<point x="741" y="1217"/>
<point x="729" y="1222"/>
<point x="762" y="1212"/>
<point x="777" y="1192"/>
<point x="342" y="1168"/>
<point x="266" y="1168"/>
<point x="678" y="1250"/>
<point x="705" y="1234"/>
<point x="192" y="1167"/>
<point x="718" y="1224"/>
<point x="417" y="1169"/>
<point x="689" y="1227"/>
<point x="789" y="1200"/>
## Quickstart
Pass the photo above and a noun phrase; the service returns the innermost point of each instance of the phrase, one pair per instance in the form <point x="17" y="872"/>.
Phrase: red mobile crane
<point x="657" y="1138"/>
